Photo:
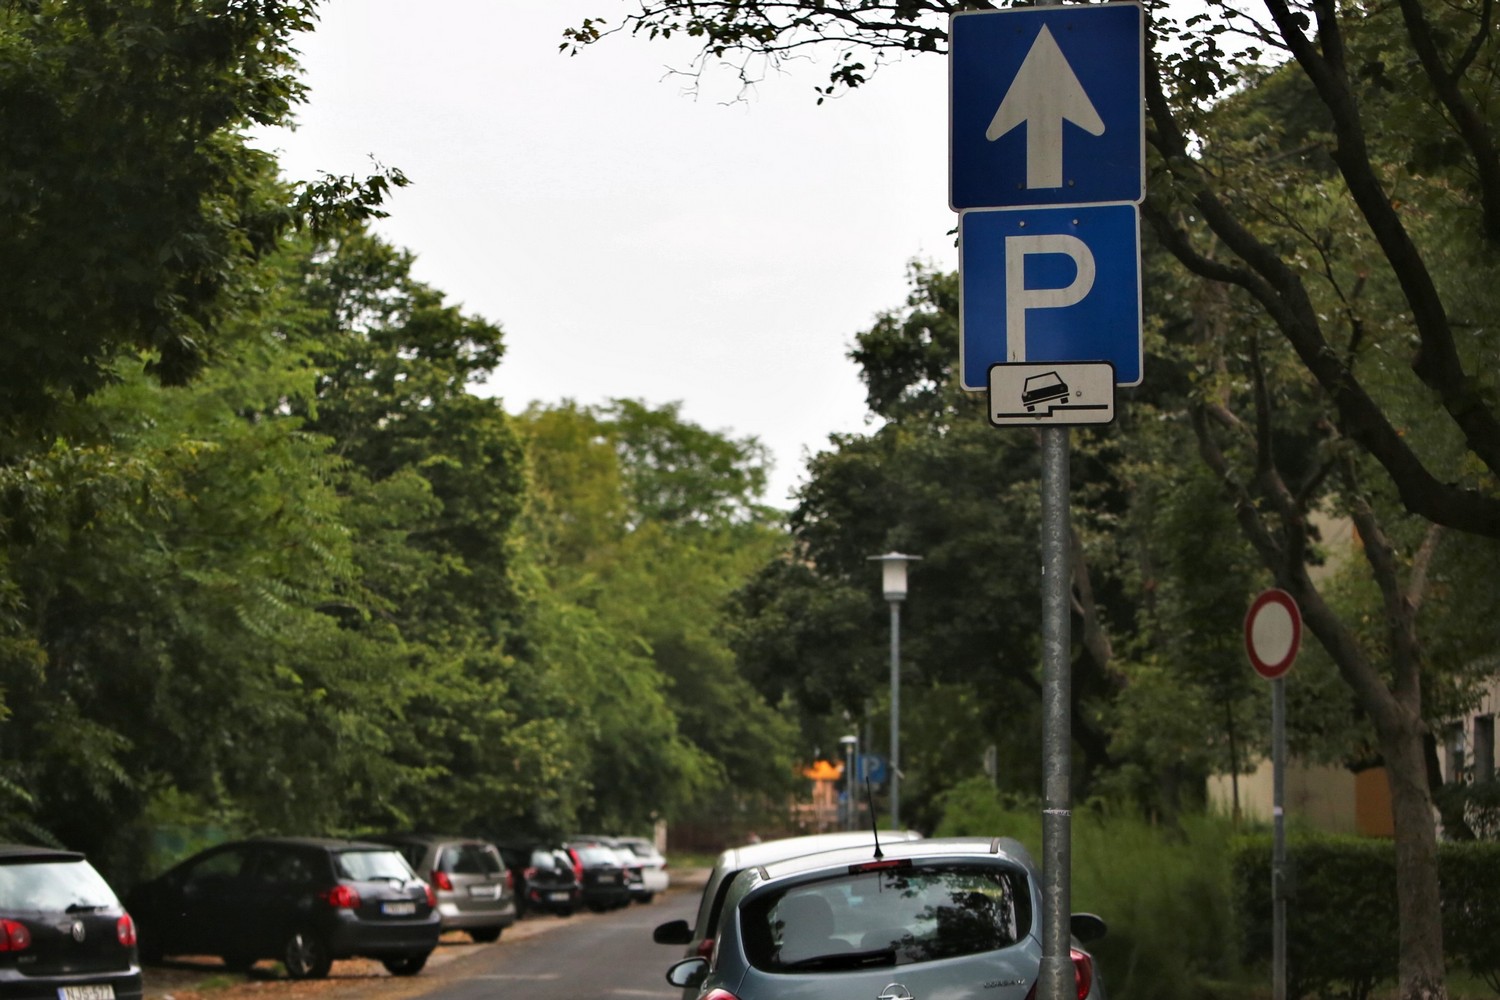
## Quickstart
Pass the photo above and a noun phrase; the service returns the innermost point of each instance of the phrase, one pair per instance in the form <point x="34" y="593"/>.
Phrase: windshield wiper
<point x="846" y="960"/>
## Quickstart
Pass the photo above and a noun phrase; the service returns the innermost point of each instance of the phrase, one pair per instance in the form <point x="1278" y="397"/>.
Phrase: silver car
<point x="926" y="920"/>
<point x="473" y="888"/>
<point x="699" y="936"/>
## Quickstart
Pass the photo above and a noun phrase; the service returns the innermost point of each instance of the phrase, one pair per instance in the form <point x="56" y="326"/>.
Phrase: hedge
<point x="1342" y="938"/>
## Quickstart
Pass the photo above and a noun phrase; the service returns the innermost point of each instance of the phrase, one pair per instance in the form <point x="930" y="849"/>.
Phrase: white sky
<point x="632" y="240"/>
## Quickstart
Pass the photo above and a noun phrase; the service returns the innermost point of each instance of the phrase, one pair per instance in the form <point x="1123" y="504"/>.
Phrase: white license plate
<point x="104" y="992"/>
<point x="558" y="897"/>
<point x="484" y="892"/>
<point x="398" y="909"/>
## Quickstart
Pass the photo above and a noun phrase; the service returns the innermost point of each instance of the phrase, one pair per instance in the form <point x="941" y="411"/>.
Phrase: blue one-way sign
<point x="1050" y="284"/>
<point x="1046" y="106"/>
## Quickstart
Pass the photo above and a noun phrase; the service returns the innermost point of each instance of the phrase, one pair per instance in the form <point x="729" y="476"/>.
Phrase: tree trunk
<point x="1417" y="889"/>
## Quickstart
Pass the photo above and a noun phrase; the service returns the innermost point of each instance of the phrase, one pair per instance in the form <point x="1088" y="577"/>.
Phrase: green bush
<point x="1164" y="891"/>
<point x="1341" y="912"/>
<point x="1342" y="924"/>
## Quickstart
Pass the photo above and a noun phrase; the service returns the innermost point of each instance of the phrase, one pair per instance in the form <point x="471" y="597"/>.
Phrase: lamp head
<point x="893" y="573"/>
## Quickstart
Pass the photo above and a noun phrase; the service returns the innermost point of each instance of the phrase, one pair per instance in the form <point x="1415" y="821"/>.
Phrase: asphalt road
<point x="607" y="956"/>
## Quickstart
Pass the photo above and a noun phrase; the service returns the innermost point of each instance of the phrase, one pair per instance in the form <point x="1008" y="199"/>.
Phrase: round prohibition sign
<point x="1273" y="633"/>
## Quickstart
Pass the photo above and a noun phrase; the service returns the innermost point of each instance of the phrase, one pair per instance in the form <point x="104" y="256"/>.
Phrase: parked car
<point x="475" y="891"/>
<point x="303" y="900"/>
<point x="545" y="879"/>
<point x="699" y="935"/>
<point x="63" y="932"/>
<point x="953" y="918"/>
<point x="604" y="880"/>
<point x="654" y="877"/>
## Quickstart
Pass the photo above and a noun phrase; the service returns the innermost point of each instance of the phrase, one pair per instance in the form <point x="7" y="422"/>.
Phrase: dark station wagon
<point x="304" y="901"/>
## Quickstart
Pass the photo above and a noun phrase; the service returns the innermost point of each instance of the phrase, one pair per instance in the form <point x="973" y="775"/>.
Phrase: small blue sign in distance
<point x="1050" y="284"/>
<point x="1046" y="106"/>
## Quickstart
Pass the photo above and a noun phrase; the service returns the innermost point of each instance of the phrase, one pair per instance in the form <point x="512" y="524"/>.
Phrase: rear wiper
<point x="83" y="908"/>
<point x="847" y="960"/>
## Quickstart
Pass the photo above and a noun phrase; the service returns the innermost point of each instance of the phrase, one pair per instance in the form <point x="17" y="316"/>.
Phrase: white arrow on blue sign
<point x="1050" y="284"/>
<point x="1046" y="106"/>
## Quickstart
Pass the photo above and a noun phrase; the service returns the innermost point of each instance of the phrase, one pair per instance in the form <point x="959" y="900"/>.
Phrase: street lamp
<point x="851" y="754"/>
<point x="893" y="577"/>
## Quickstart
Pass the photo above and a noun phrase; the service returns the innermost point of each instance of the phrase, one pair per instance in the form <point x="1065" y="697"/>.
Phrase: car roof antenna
<point x="874" y="825"/>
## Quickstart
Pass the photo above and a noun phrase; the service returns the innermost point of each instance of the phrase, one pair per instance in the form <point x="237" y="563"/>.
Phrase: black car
<point x="473" y="888"/>
<point x="544" y="877"/>
<point x="605" y="881"/>
<point x="63" y="933"/>
<point x="303" y="900"/>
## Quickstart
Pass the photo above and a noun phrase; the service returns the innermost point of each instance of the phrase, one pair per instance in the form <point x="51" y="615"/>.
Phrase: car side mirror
<point x="1087" y="927"/>
<point x="673" y="932"/>
<point x="688" y="973"/>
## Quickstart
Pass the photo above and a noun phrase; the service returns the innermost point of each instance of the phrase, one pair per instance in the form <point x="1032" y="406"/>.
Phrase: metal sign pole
<point x="1273" y="634"/>
<point x="1278" y="845"/>
<point x="1056" y="982"/>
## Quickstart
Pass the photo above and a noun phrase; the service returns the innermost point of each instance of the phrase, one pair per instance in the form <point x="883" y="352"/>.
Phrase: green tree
<point x="648" y="524"/>
<point x="133" y="205"/>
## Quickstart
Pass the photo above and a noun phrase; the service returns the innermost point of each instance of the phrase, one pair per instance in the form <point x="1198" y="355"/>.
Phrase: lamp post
<point x="851" y="754"/>
<point x="893" y="578"/>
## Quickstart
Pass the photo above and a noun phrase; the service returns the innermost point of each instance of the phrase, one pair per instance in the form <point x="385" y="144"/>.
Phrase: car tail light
<point x="442" y="881"/>
<point x="720" y="995"/>
<point x="340" y="897"/>
<point x="510" y="880"/>
<point x="1083" y="975"/>
<point x="529" y="874"/>
<point x="125" y="931"/>
<point x="706" y="948"/>
<point x="14" y="936"/>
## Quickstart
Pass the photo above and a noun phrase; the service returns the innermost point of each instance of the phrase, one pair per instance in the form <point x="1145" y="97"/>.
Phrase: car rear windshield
<point x="53" y="886"/>
<point x="887" y="916"/>
<point x="596" y="855"/>
<point x="470" y="859"/>
<point x="368" y="866"/>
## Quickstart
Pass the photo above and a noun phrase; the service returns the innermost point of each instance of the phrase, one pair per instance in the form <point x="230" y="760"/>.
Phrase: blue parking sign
<point x="1050" y="284"/>
<point x="1046" y="106"/>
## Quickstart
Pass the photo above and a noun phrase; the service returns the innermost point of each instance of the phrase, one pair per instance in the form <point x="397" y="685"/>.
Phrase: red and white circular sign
<point x="1273" y="633"/>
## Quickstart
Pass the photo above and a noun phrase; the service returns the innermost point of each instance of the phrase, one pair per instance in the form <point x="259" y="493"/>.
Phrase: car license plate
<point x="406" y="909"/>
<point x="484" y="892"/>
<point x="558" y="897"/>
<point x="102" y="992"/>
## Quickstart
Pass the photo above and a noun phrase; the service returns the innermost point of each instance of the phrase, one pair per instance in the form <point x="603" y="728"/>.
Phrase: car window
<point x="53" y="885"/>
<point x="284" y="868"/>
<point x="887" y="916"/>
<point x="218" y="867"/>
<point x="469" y="859"/>
<point x="598" y="855"/>
<point x="366" y="866"/>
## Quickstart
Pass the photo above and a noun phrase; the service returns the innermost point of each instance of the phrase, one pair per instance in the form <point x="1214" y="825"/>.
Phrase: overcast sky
<point x="631" y="239"/>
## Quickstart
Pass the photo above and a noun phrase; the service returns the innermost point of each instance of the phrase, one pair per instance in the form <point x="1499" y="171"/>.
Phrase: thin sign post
<point x="1273" y="635"/>
<point x="1046" y="117"/>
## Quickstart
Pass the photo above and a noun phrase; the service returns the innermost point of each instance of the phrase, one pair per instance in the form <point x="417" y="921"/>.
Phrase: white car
<point x="955" y="919"/>
<point x="654" y="876"/>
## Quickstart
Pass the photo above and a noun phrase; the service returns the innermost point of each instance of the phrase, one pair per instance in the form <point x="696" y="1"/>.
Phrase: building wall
<point x="1325" y="798"/>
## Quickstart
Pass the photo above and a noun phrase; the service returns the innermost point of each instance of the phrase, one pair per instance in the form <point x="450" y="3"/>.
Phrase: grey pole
<point x="1056" y="981"/>
<point x="1278" y="842"/>
<point x="895" y="715"/>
